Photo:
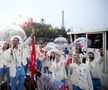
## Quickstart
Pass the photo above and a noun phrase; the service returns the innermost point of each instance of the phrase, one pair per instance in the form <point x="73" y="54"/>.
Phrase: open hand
<point x="33" y="29"/>
<point x="101" y="50"/>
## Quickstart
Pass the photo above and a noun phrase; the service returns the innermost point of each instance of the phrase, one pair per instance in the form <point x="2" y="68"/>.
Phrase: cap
<point x="20" y="39"/>
<point x="76" y="55"/>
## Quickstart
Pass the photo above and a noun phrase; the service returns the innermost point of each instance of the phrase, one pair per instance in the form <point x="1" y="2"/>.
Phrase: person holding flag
<point x="18" y="61"/>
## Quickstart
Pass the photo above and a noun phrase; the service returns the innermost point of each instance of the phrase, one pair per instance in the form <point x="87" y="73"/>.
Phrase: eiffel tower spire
<point x="62" y="25"/>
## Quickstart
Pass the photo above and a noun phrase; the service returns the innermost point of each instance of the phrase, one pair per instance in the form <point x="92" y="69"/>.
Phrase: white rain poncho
<point x="8" y="31"/>
<point x="61" y="41"/>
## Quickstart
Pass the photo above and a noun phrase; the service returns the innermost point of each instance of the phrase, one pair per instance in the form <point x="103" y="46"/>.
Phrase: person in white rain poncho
<point x="80" y="75"/>
<point x="4" y="61"/>
<point x="96" y="67"/>
<point x="18" y="60"/>
<point x="48" y="60"/>
<point x="58" y="68"/>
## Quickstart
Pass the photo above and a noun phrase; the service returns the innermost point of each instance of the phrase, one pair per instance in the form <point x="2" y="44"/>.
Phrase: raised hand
<point x="101" y="50"/>
<point x="33" y="30"/>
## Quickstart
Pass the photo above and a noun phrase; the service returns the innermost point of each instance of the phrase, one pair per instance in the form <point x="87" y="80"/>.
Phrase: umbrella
<point x="8" y="31"/>
<point x="55" y="50"/>
<point x="50" y="46"/>
<point x="82" y="39"/>
<point x="60" y="40"/>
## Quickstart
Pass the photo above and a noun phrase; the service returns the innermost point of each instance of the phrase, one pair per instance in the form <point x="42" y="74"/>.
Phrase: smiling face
<point x="57" y="57"/>
<point x="15" y="41"/>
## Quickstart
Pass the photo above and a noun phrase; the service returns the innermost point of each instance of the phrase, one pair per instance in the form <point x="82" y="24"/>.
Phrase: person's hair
<point x="52" y="57"/>
<point x="91" y="53"/>
<point x="7" y="45"/>
<point x="84" y="60"/>
<point x="92" y="56"/>
<point x="16" y="38"/>
<point x="58" y="54"/>
<point x="80" y="51"/>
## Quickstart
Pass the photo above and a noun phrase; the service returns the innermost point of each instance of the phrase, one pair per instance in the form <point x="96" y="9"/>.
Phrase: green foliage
<point x="46" y="31"/>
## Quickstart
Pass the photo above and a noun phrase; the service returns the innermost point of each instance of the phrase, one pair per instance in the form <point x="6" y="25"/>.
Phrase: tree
<point x="46" y="31"/>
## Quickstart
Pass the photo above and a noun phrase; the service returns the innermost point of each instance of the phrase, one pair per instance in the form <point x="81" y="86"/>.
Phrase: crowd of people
<point x="69" y="66"/>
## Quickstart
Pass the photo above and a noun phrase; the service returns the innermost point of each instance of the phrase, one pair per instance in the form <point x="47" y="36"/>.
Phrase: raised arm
<point x="33" y="31"/>
<point x="29" y="39"/>
<point x="101" y="56"/>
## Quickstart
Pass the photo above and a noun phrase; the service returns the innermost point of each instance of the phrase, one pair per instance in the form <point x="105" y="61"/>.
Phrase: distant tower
<point x="62" y="26"/>
<point x="42" y="21"/>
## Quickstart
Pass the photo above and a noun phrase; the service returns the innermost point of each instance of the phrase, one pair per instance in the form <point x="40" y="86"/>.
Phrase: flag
<point x="46" y="57"/>
<point x="33" y="59"/>
<point x="25" y="25"/>
<point x="42" y="51"/>
<point x="69" y="61"/>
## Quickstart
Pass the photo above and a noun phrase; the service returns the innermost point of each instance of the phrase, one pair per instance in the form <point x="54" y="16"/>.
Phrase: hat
<point x="56" y="51"/>
<point x="76" y="55"/>
<point x="20" y="39"/>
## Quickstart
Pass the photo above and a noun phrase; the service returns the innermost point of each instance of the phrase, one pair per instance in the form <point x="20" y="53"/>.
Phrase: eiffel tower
<point x="62" y="25"/>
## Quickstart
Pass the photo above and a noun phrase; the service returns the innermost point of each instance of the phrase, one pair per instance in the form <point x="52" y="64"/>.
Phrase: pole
<point x="104" y="46"/>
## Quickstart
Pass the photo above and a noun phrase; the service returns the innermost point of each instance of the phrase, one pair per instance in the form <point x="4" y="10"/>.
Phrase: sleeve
<point x="27" y="41"/>
<point x="89" y="79"/>
<point x="100" y="60"/>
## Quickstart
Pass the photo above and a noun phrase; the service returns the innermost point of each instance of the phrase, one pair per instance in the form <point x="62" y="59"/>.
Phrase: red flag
<point x="66" y="87"/>
<point x="25" y="25"/>
<point x="42" y="51"/>
<point x="33" y="59"/>
<point x="69" y="61"/>
<point x="46" y="57"/>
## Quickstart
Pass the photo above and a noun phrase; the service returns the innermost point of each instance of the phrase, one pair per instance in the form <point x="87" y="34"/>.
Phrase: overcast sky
<point x="85" y="14"/>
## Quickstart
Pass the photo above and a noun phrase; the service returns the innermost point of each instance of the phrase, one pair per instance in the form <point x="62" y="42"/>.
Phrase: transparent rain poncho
<point x="61" y="41"/>
<point x="8" y="31"/>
